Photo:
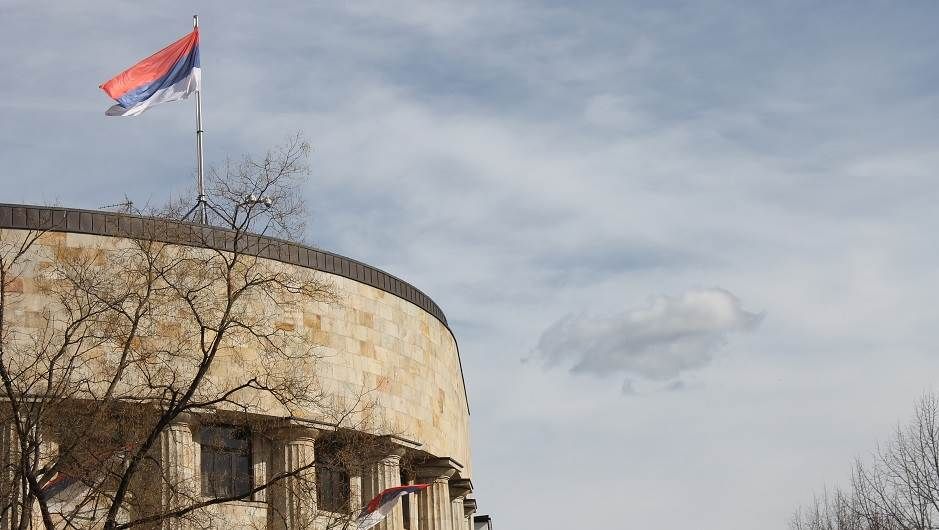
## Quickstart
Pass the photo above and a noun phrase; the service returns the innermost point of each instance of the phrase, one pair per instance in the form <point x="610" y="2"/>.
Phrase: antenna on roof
<point x="125" y="206"/>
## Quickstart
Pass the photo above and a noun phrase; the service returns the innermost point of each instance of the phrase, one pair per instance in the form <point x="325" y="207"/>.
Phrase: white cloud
<point x="659" y="341"/>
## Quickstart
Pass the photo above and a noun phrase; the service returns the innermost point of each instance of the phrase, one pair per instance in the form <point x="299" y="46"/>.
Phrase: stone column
<point x="355" y="491"/>
<point x="48" y="447"/>
<point x="456" y="513"/>
<point x="9" y="462"/>
<point x="383" y="474"/>
<point x="459" y="489"/>
<point x="433" y="503"/>
<point x="411" y="523"/>
<point x="260" y="464"/>
<point x="293" y="498"/>
<point x="179" y="467"/>
<point x="469" y="508"/>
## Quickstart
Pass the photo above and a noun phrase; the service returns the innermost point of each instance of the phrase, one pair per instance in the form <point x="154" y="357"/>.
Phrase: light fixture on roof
<point x="252" y="199"/>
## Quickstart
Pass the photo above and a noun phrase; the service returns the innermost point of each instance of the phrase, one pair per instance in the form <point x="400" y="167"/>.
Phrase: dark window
<point x="226" y="461"/>
<point x="406" y="510"/>
<point x="332" y="478"/>
<point x="406" y="503"/>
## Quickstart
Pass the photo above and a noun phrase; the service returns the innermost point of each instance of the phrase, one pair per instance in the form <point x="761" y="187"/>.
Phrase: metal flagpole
<point x="200" y="205"/>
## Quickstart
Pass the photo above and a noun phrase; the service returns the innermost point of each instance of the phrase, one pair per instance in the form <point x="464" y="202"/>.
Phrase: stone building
<point x="381" y="333"/>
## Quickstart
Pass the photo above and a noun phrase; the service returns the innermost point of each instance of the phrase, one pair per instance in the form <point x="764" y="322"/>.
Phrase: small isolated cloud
<point x="658" y="342"/>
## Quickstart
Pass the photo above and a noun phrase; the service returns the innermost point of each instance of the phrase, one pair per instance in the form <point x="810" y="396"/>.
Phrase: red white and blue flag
<point x="64" y="493"/>
<point x="170" y="74"/>
<point x="75" y="497"/>
<point x="382" y="504"/>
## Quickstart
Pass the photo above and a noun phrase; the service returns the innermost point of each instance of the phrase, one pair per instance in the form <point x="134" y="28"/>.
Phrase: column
<point x="459" y="489"/>
<point x="433" y="503"/>
<point x="355" y="491"/>
<point x="9" y="462"/>
<point x="456" y="513"/>
<point x="380" y="475"/>
<point x="469" y="508"/>
<point x="260" y="464"/>
<point x="48" y="447"/>
<point x="411" y="522"/>
<point x="293" y="498"/>
<point x="179" y="467"/>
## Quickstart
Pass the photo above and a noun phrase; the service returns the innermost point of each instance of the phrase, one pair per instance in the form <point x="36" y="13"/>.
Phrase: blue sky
<point x="688" y="248"/>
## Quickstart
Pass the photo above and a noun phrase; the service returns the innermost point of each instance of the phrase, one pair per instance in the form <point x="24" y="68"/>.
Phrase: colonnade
<point x="292" y="502"/>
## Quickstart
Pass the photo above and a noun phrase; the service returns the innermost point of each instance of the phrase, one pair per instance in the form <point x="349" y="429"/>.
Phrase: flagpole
<point x="201" y="202"/>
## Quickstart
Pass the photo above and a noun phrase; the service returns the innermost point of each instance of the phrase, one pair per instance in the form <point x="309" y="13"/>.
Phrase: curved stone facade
<point x="410" y="358"/>
<point x="383" y="334"/>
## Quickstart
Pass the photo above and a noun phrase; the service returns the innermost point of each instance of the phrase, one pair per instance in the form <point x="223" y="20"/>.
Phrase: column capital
<point x="388" y="452"/>
<point x="460" y="487"/>
<point x="184" y="418"/>
<point x="469" y="506"/>
<point x="392" y="447"/>
<point x="435" y="473"/>
<point x="295" y="431"/>
<point x="438" y="468"/>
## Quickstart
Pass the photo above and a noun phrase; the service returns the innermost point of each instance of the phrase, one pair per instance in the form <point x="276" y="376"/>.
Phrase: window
<point x="406" y="504"/>
<point x="226" y="461"/>
<point x="332" y="479"/>
<point x="406" y="510"/>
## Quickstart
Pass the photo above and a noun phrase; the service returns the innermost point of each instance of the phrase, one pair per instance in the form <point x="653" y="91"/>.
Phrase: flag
<point x="76" y="499"/>
<point x="168" y="75"/>
<point x="382" y="505"/>
<point x="74" y="496"/>
<point x="64" y="493"/>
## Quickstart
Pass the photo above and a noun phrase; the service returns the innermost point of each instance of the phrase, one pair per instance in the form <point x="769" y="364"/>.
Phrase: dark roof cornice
<point x="73" y="220"/>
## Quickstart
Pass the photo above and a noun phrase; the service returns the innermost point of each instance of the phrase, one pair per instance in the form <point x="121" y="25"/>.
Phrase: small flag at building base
<point x="379" y="507"/>
<point x="170" y="74"/>
<point x="78" y="495"/>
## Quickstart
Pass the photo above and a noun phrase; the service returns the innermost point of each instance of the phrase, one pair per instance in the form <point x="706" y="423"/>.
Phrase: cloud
<point x="659" y="341"/>
<point x="629" y="388"/>
<point x="676" y="386"/>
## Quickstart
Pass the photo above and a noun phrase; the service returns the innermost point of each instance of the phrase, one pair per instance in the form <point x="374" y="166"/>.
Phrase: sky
<point x="688" y="249"/>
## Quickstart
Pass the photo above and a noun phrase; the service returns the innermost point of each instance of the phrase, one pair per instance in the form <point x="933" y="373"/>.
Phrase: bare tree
<point x="117" y="343"/>
<point x="897" y="490"/>
<point x="834" y="510"/>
